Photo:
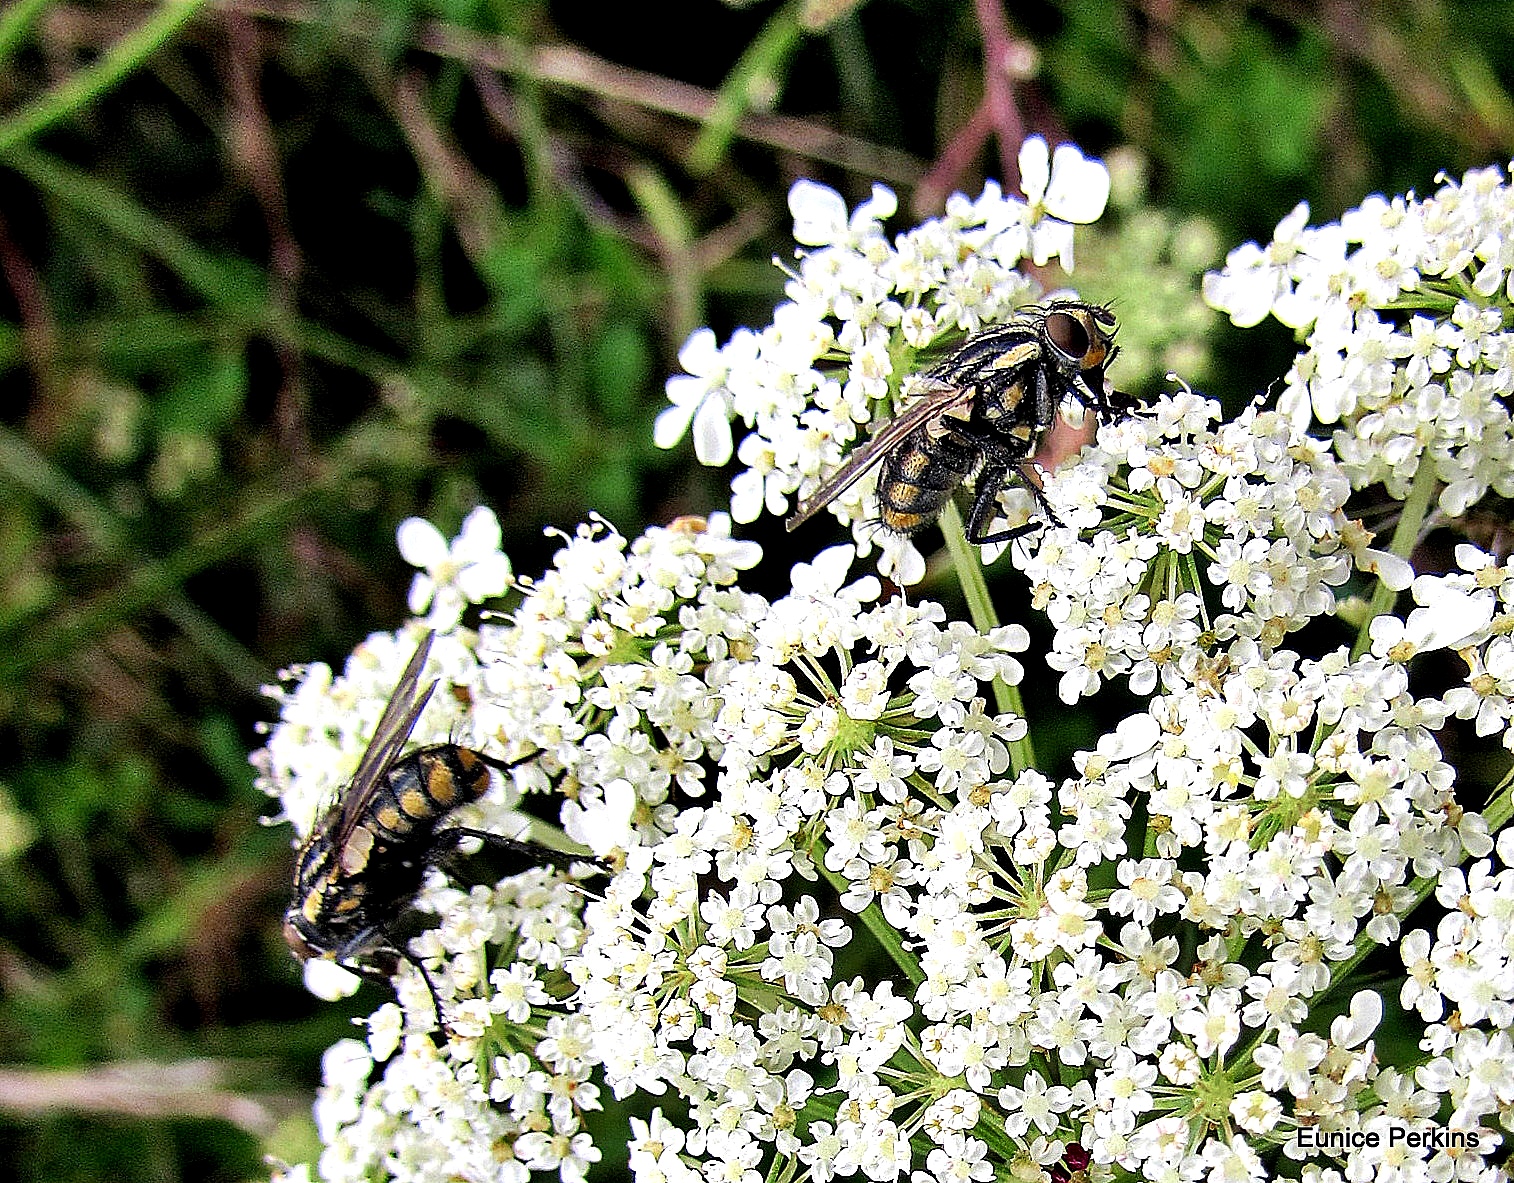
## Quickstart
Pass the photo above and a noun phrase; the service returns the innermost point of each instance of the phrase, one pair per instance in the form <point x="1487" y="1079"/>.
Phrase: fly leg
<point x="1002" y="463"/>
<point x="499" y="765"/>
<point x="445" y="843"/>
<point x="436" y="999"/>
<point x="393" y="949"/>
<point x="1046" y="406"/>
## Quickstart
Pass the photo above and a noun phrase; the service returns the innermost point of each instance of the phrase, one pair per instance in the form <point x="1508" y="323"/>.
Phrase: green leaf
<point x="206" y="397"/>
<point x="620" y="366"/>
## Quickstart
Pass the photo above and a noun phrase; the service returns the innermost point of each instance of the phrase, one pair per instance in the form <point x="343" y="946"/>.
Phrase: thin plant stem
<point x="1416" y="506"/>
<point x="882" y="931"/>
<point x="754" y="79"/>
<point x="980" y="608"/>
<point x="79" y="90"/>
<point x="14" y="22"/>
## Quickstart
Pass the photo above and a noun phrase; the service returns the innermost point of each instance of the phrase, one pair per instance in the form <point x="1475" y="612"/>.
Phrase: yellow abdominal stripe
<point x="416" y="804"/>
<point x="441" y="784"/>
<point x="1018" y="356"/>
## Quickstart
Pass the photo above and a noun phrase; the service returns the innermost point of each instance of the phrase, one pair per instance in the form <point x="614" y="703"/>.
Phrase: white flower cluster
<point x="507" y="1093"/>
<point x="854" y="752"/>
<point x="1461" y="982"/>
<point x="1406" y="304"/>
<point x="1481" y="630"/>
<point x="849" y="931"/>
<point x="860" y="310"/>
<point x="1252" y="508"/>
<point x="598" y="656"/>
<point x="856" y="749"/>
<point x="1314" y="790"/>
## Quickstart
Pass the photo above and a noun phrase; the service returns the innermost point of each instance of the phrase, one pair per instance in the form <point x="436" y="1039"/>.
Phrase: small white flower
<point x="1063" y="187"/>
<point x="469" y="570"/>
<point x="603" y="825"/>
<point x="820" y="217"/>
<point x="1452" y="619"/>
<point x="702" y="395"/>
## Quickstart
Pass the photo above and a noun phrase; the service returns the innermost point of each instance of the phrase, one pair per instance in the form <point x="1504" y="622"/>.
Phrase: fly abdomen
<point x="915" y="483"/>
<point x="422" y="788"/>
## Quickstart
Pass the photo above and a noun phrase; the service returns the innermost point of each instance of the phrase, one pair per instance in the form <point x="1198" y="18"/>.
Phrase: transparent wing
<point x="394" y="727"/>
<point x="941" y="400"/>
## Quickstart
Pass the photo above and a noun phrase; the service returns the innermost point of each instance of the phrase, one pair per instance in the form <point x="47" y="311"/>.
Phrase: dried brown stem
<point x="955" y="159"/>
<point x="251" y="140"/>
<point x="469" y="199"/>
<point x="567" y="68"/>
<point x="38" y="332"/>
<point x="999" y="55"/>
<point x="997" y="115"/>
<point x="193" y="1088"/>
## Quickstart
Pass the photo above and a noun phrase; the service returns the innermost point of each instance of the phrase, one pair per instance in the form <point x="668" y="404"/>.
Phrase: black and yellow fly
<point x="984" y="410"/>
<point x="361" y="866"/>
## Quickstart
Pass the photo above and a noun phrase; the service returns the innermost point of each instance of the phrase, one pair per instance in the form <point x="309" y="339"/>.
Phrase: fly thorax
<point x="1005" y="404"/>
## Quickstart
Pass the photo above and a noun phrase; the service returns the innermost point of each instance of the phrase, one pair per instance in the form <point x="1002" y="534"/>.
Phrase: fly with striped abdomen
<point x="984" y="410"/>
<point x="361" y="866"/>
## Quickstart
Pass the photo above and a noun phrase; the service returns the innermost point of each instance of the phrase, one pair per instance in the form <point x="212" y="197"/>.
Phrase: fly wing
<point x="939" y="400"/>
<point x="394" y="727"/>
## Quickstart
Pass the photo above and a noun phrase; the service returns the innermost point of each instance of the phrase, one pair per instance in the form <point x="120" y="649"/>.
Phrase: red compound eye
<point x="1068" y="334"/>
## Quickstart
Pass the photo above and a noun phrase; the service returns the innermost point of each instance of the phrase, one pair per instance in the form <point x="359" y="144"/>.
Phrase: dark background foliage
<point x="277" y="274"/>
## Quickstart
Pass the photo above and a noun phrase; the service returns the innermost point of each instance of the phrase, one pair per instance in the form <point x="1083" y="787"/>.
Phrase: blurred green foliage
<point x="276" y="274"/>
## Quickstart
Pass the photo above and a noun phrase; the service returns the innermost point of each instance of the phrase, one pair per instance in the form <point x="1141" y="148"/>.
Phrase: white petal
<point x="486" y="578"/>
<point x="1350" y="1030"/>
<point x="1459" y="496"/>
<point x="777" y="502"/>
<point x="329" y="981"/>
<point x="421" y="544"/>
<point x="480" y="534"/>
<point x="447" y="610"/>
<point x="1035" y="168"/>
<point x="1396" y="573"/>
<point x="824" y="575"/>
<point x="1246" y="295"/>
<point x="1295" y="406"/>
<point x="422" y="588"/>
<point x="712" y="432"/>
<point x="1079" y="186"/>
<point x="747" y="497"/>
<point x="881" y="206"/>
<point x="1050" y="239"/>
<point x="1135" y="735"/>
<point x="902" y="562"/>
<point x="819" y="213"/>
<point x="699" y="355"/>
<point x="1288" y="229"/>
<point x="1453" y="618"/>
<point x="671" y="424"/>
<point x="602" y="825"/>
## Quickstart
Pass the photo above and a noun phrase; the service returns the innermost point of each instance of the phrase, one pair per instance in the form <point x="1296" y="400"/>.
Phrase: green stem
<point x="229" y="282"/>
<point x="980" y="608"/>
<point x="752" y="82"/>
<point x="81" y="89"/>
<point x="14" y="22"/>
<point x="268" y="512"/>
<point x="873" y="920"/>
<point x="1416" y="506"/>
